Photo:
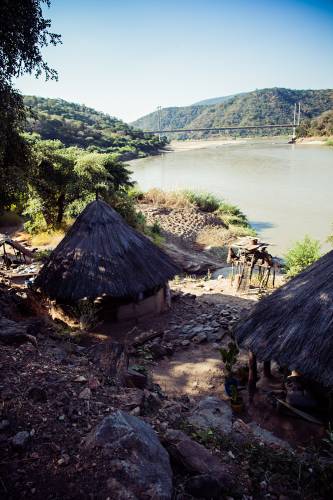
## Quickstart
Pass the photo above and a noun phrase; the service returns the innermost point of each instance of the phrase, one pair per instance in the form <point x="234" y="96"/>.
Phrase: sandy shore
<point x="312" y="141"/>
<point x="202" y="144"/>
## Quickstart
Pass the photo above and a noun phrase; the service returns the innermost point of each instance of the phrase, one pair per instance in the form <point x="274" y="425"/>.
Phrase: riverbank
<point x="196" y="228"/>
<point x="315" y="141"/>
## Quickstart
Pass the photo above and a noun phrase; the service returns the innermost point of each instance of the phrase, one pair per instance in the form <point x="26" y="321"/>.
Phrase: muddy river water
<point x="285" y="190"/>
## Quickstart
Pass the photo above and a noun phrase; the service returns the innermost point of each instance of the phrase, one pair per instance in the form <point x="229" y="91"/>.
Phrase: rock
<point x="185" y="343"/>
<point x="152" y="401"/>
<point x="268" y="437"/>
<point x="85" y="393"/>
<point x="196" y="330"/>
<point x="196" y="459"/>
<point x="138" y="466"/>
<point x="130" y="399"/>
<point x="20" y="440"/>
<point x="37" y="394"/>
<point x="81" y="379"/>
<point x="13" y="333"/>
<point x="201" y="337"/>
<point x="133" y="378"/>
<point x="204" y="486"/>
<point x="212" y="413"/>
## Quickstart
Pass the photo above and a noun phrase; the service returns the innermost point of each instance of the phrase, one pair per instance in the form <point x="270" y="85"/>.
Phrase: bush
<point x="204" y="201"/>
<point x="301" y="255"/>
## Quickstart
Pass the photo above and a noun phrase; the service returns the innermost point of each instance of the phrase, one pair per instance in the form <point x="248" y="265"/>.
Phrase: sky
<point x="126" y="57"/>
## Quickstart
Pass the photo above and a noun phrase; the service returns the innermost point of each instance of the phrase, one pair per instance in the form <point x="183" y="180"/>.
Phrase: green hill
<point x="77" y="125"/>
<point x="266" y="106"/>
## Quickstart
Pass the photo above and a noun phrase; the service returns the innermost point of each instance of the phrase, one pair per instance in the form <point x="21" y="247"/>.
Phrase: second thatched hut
<point x="294" y="325"/>
<point x="103" y="259"/>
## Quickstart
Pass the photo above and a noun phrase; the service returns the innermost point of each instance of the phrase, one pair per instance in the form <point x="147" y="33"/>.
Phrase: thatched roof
<point x="102" y="255"/>
<point x="294" y="325"/>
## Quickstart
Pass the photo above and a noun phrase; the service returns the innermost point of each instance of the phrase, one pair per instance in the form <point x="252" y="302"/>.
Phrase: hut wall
<point x="155" y="304"/>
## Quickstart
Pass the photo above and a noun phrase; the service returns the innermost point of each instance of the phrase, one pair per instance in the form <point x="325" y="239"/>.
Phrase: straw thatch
<point x="101" y="255"/>
<point x="294" y="325"/>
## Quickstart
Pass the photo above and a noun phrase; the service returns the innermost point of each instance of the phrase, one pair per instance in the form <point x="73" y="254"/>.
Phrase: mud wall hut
<point x="103" y="259"/>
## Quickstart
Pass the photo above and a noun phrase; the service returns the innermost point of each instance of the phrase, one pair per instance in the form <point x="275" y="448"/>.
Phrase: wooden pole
<point x="253" y="373"/>
<point x="267" y="369"/>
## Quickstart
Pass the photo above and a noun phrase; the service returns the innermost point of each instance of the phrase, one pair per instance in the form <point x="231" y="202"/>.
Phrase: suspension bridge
<point x="292" y="126"/>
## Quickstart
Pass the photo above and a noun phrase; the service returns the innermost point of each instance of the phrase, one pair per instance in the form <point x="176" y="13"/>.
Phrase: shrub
<point x="301" y="255"/>
<point x="204" y="201"/>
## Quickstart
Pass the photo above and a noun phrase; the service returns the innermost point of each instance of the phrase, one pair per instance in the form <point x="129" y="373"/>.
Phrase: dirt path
<point x="196" y="369"/>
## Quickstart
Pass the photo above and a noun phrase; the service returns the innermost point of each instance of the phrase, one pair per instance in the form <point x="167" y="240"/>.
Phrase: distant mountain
<point x="77" y="125"/>
<point x="262" y="107"/>
<point x="216" y="100"/>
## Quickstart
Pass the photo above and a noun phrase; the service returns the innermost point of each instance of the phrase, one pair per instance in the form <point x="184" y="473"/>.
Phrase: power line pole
<point x="159" y="108"/>
<point x="299" y="114"/>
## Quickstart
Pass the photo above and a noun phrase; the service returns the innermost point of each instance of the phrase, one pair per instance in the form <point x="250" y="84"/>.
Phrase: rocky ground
<point x="69" y="429"/>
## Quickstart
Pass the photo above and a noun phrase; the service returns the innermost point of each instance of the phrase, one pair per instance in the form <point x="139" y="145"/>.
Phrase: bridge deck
<point x="218" y="129"/>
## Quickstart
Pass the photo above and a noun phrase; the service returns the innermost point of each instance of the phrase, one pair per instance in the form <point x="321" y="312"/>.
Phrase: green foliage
<point x="64" y="180"/>
<point x="24" y="32"/>
<point x="204" y="201"/>
<point x="42" y="255"/>
<point x="301" y="255"/>
<point x="229" y="356"/>
<point x="321" y="125"/>
<point x="77" y="125"/>
<point x="231" y="215"/>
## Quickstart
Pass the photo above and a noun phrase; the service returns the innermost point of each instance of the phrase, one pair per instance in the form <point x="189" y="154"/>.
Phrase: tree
<point x="23" y="33"/>
<point x="101" y="173"/>
<point x="301" y="255"/>
<point x="67" y="179"/>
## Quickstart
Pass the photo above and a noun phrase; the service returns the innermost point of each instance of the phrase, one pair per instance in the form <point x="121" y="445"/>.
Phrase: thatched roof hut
<point x="102" y="256"/>
<point x="294" y="325"/>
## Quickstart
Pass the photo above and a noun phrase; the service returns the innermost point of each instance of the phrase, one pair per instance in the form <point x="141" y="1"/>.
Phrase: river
<point x="285" y="190"/>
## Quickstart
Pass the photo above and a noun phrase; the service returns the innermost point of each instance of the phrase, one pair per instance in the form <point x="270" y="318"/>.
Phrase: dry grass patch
<point x="47" y="238"/>
<point x="173" y="199"/>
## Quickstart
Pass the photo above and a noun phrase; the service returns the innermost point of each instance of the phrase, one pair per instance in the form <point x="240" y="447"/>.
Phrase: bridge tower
<point x="159" y="109"/>
<point x="296" y="123"/>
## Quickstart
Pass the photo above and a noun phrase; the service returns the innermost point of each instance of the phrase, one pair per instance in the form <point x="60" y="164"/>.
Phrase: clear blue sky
<point x="125" y="57"/>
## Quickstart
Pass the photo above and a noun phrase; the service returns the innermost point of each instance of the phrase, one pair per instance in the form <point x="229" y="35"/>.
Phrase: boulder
<point x="139" y="466"/>
<point x="196" y="459"/>
<point x="212" y="413"/>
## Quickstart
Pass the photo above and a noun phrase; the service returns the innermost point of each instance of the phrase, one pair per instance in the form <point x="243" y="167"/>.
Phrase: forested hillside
<point x="267" y="106"/>
<point x="322" y="125"/>
<point x="77" y="125"/>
